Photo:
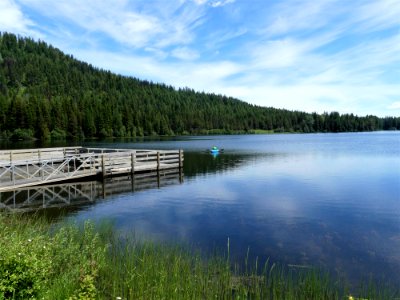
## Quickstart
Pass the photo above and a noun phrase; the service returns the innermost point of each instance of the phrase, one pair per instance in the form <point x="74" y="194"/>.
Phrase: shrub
<point x="24" y="264"/>
<point x="58" y="134"/>
<point x="22" y="134"/>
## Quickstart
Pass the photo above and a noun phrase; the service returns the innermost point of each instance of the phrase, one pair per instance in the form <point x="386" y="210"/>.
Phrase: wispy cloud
<point x="221" y="3"/>
<point x="378" y="15"/>
<point x="295" y="16"/>
<point x="295" y="54"/>
<point x="185" y="53"/>
<point x="135" y="26"/>
<point x="213" y="3"/>
<point x="200" y="76"/>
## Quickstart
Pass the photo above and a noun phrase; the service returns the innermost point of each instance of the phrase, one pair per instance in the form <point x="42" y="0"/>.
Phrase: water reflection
<point x="73" y="196"/>
<point x="341" y="212"/>
<point x="324" y="199"/>
<point x="198" y="164"/>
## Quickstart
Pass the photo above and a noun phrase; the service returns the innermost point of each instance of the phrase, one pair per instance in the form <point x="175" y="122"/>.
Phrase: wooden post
<point x="180" y="175"/>
<point x="103" y="166"/>
<point x="158" y="161"/>
<point x="180" y="158"/>
<point x="11" y="168"/>
<point x="133" y="157"/>
<point x="40" y="165"/>
<point x="180" y="166"/>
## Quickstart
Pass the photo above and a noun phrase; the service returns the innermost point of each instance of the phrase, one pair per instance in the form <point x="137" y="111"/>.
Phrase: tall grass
<point x="88" y="262"/>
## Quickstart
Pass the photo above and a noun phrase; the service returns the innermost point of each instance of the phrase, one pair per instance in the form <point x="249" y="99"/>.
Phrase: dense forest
<point x="45" y="93"/>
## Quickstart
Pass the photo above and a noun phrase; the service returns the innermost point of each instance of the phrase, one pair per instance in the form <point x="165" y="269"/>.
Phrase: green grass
<point x="68" y="261"/>
<point x="260" y="131"/>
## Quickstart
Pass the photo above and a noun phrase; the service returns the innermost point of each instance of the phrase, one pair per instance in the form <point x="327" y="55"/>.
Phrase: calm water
<point x="330" y="200"/>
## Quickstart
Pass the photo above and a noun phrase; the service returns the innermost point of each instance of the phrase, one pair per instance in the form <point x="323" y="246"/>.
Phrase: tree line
<point x="45" y="93"/>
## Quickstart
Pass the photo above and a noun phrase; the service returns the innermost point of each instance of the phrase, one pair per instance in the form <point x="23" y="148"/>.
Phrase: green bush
<point x="24" y="263"/>
<point x="58" y="134"/>
<point x="38" y="263"/>
<point x="22" y="134"/>
<point x="17" y="278"/>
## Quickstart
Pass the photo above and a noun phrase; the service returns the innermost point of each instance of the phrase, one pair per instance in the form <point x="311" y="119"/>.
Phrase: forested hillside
<point x="47" y="94"/>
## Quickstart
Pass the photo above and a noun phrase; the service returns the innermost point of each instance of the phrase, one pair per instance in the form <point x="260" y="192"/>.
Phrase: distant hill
<point x="45" y="93"/>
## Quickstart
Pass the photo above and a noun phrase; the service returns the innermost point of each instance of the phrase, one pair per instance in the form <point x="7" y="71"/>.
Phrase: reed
<point x="70" y="261"/>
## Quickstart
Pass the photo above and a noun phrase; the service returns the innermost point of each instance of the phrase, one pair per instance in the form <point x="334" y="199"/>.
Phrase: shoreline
<point x="43" y="260"/>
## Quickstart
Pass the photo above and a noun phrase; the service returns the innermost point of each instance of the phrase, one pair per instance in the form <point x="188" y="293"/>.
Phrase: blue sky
<point x="325" y="55"/>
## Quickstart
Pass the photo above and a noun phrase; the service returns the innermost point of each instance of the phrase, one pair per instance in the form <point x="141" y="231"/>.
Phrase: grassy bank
<point x="84" y="262"/>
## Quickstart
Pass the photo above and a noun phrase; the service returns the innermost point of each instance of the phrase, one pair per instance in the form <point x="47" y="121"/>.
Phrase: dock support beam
<point x="180" y="158"/>
<point x="41" y="174"/>
<point x="103" y="167"/>
<point x="180" y="166"/>
<point x="133" y="158"/>
<point x="12" y="169"/>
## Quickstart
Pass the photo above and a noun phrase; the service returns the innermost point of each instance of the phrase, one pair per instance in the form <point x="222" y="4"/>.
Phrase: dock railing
<point x="19" y="168"/>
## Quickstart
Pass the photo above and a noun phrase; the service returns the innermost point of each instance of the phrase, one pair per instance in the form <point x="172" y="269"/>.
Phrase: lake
<point x="327" y="200"/>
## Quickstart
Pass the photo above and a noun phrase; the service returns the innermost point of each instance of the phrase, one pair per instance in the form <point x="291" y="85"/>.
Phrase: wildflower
<point x="29" y="240"/>
<point x="119" y="298"/>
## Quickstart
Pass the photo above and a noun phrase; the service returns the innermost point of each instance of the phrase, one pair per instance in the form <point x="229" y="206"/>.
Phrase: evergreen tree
<point x="45" y="93"/>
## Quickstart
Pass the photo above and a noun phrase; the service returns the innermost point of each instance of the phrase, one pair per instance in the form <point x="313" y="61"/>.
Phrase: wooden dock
<point x="31" y="167"/>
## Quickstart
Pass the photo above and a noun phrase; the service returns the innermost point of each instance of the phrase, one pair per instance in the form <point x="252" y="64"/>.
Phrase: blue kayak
<point x="215" y="150"/>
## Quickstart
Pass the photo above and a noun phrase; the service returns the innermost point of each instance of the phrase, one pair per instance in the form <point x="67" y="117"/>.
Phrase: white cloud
<point x="294" y="15"/>
<point x="277" y="53"/>
<point x="305" y="55"/>
<point x="200" y="2"/>
<point x="379" y="15"/>
<point x="200" y="76"/>
<point x="157" y="53"/>
<point x="394" y="105"/>
<point x="12" y="19"/>
<point x="221" y="3"/>
<point x="129" y="26"/>
<point x="319" y="98"/>
<point x="212" y="3"/>
<point x="185" y="53"/>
